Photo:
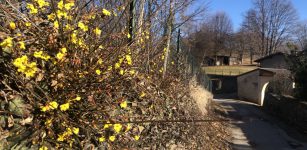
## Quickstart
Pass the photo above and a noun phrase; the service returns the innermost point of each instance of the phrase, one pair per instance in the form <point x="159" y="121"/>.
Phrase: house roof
<point x="269" y="56"/>
<point x="262" y="71"/>
<point x="266" y="71"/>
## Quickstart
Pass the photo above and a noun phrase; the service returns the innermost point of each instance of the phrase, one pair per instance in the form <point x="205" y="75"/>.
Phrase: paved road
<point x="253" y="129"/>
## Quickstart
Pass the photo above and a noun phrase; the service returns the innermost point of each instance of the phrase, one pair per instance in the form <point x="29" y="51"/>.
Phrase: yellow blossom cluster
<point x="12" y="25"/>
<point x="106" y="12"/>
<point x="32" y="8"/>
<point x="7" y="43"/>
<point x="61" y="54"/>
<point x="50" y="106"/>
<point x="66" y="134"/>
<point x="22" y="45"/>
<point x="65" y="106"/>
<point x="23" y="65"/>
<point x="123" y="104"/>
<point x="54" y="105"/>
<point x="63" y="8"/>
<point x="97" y="31"/>
<point x="117" y="129"/>
<point x="41" y="55"/>
<point x="41" y="3"/>
<point x="82" y="26"/>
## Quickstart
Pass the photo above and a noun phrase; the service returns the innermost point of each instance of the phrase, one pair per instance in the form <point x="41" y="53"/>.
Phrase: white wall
<point x="248" y="86"/>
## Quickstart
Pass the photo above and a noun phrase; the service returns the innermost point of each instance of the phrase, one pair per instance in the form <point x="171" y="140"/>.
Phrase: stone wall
<point x="287" y="109"/>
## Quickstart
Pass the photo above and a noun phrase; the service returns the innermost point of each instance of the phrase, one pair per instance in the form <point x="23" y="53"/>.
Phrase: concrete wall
<point x="248" y="86"/>
<point x="276" y="61"/>
<point x="290" y="110"/>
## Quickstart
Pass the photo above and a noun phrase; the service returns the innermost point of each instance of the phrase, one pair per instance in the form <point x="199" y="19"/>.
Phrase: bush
<point x="299" y="70"/>
<point x="72" y="78"/>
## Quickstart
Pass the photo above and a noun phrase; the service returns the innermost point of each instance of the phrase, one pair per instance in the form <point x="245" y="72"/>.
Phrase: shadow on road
<point x="251" y="128"/>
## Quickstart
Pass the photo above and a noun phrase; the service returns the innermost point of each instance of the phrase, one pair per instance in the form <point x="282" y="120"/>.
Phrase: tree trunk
<point x="169" y="35"/>
<point x="131" y="20"/>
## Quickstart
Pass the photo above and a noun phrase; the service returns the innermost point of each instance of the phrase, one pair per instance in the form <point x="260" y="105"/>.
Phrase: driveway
<point x="250" y="128"/>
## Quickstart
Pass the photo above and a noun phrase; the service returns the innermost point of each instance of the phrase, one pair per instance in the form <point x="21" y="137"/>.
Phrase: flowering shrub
<point x="69" y="80"/>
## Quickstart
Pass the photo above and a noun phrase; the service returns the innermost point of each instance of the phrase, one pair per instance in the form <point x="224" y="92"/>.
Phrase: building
<point x="252" y="85"/>
<point x="220" y="60"/>
<point x="276" y="60"/>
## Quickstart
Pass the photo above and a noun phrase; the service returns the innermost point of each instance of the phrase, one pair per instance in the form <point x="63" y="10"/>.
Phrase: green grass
<point x="228" y="70"/>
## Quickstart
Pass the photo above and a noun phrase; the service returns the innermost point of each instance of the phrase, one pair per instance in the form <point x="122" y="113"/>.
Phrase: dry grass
<point x="201" y="96"/>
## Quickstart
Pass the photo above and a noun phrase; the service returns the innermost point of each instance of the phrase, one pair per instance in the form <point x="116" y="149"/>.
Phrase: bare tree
<point x="272" y="20"/>
<point x="301" y="34"/>
<point x="221" y="28"/>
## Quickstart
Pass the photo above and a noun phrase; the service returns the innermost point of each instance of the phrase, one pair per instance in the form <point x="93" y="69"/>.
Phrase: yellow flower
<point x="67" y="27"/>
<point x="99" y="61"/>
<point x="129" y="60"/>
<point x="48" y="122"/>
<point x="97" y="31"/>
<point x="60" y="4"/>
<point x="28" y="24"/>
<point x="117" y="65"/>
<point x="121" y="72"/>
<point x="68" y="131"/>
<point x="56" y="24"/>
<point x="75" y="130"/>
<point x="132" y="72"/>
<point x="173" y="62"/>
<point x="102" y="139"/>
<point x="8" y="42"/>
<point x="29" y="69"/>
<point x="123" y="104"/>
<point x="98" y="72"/>
<point x="60" y="138"/>
<point x="61" y="14"/>
<point x="107" y="125"/>
<point x="82" y="26"/>
<point x="112" y="138"/>
<point x="64" y="107"/>
<point x="12" y="25"/>
<point x="60" y="56"/>
<point x="63" y="50"/>
<point x="106" y="12"/>
<point x="44" y="108"/>
<point x="41" y="55"/>
<point x="32" y="9"/>
<point x="128" y="36"/>
<point x="101" y="47"/>
<point x="136" y="137"/>
<point x="42" y="3"/>
<point x="78" y="98"/>
<point x="51" y="17"/>
<point x="142" y="95"/>
<point x="74" y="38"/>
<point x="43" y="148"/>
<point x="54" y="105"/>
<point x="128" y="127"/>
<point x="69" y="5"/>
<point x="117" y="127"/>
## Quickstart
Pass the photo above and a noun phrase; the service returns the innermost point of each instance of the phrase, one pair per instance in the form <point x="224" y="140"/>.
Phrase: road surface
<point x="251" y="128"/>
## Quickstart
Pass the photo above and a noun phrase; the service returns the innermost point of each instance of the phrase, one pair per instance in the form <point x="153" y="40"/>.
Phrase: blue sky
<point x="236" y="8"/>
